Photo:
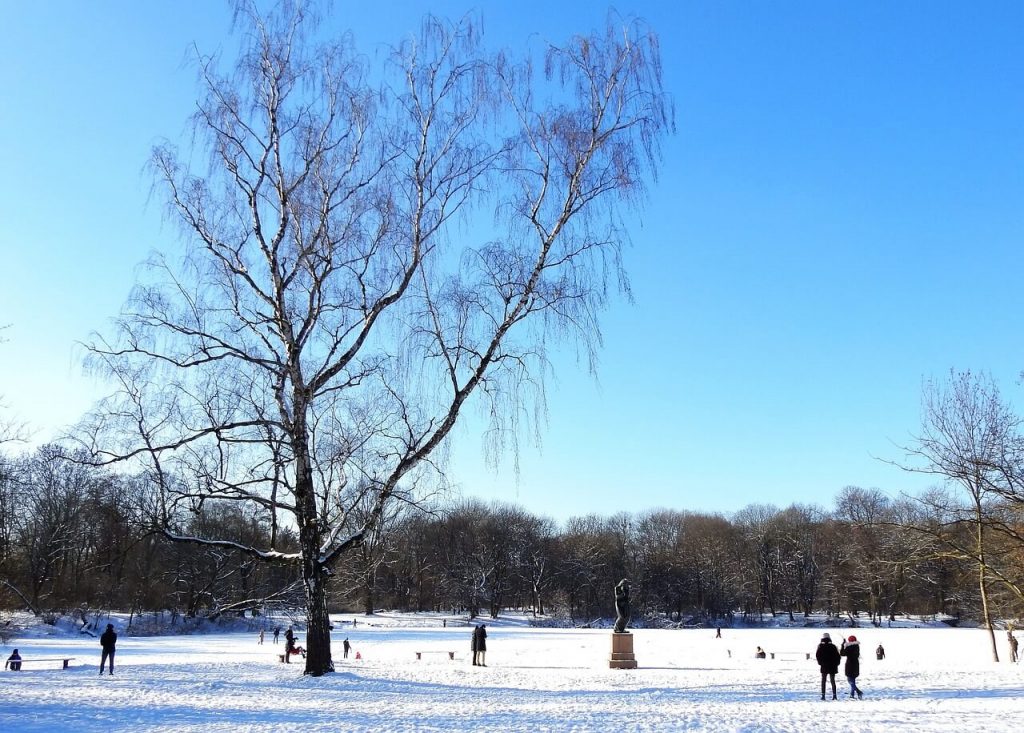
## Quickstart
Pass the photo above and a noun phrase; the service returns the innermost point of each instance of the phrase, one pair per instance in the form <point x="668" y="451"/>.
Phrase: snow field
<point x="537" y="679"/>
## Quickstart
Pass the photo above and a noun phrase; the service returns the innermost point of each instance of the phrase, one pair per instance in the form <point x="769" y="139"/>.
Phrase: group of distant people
<point x="827" y="655"/>
<point x="292" y="647"/>
<point x="108" y="645"/>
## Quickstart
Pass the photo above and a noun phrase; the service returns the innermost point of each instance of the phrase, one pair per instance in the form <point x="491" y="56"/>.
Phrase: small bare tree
<point x="10" y="429"/>
<point x="341" y="302"/>
<point x="966" y="434"/>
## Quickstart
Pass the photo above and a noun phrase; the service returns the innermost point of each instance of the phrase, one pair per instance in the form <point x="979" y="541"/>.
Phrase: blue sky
<point x="839" y="217"/>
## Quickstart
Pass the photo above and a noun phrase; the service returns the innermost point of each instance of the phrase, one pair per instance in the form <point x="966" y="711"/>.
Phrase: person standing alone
<point x="828" y="661"/>
<point x="108" y="641"/>
<point x="346" y="647"/>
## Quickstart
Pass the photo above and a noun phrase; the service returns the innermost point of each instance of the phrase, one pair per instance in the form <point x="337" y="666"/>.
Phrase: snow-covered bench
<point x="64" y="660"/>
<point x="790" y="656"/>
<point x="451" y="655"/>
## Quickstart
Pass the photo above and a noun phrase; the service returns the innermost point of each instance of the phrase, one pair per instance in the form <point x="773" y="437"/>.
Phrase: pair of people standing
<point x="828" y="658"/>
<point x="479" y="645"/>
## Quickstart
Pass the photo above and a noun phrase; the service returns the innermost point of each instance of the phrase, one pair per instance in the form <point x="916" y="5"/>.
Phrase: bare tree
<point x="966" y="432"/>
<point x="340" y="300"/>
<point x="10" y="429"/>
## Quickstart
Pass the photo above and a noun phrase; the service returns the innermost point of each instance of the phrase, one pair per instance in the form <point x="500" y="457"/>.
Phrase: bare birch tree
<point x="966" y="431"/>
<point x="367" y="250"/>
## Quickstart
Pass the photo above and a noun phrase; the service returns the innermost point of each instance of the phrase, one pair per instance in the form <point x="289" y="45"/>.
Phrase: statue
<point x="621" y="606"/>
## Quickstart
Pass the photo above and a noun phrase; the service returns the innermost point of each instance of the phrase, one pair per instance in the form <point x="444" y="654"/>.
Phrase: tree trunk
<point x="314" y="579"/>
<point x="318" y="628"/>
<point x="983" y="584"/>
<point x="369" y="583"/>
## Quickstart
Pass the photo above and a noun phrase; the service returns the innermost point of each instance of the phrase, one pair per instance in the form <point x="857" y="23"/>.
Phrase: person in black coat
<point x="478" y="645"/>
<point x="851" y="650"/>
<point x="827" y="657"/>
<point x="289" y="645"/>
<point x="108" y="640"/>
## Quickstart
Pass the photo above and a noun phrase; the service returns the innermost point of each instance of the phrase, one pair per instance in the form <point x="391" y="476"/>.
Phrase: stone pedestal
<point x="622" y="651"/>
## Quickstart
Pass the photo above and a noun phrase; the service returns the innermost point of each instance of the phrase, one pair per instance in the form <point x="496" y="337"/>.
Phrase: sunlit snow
<point x="536" y="679"/>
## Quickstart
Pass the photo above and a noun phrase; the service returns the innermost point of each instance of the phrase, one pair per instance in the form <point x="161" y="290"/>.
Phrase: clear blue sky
<point x="839" y="217"/>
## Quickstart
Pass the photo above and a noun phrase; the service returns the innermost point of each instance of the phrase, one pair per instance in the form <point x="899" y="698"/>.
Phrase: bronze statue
<point x="621" y="606"/>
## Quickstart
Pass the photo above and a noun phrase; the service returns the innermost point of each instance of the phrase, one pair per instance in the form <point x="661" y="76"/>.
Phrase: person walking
<point x="474" y="646"/>
<point x="827" y="657"/>
<point x="108" y="641"/>
<point x="261" y="636"/>
<point x="851" y="650"/>
<point x="346" y="647"/>
<point x="277" y="633"/>
<point x="1013" y="645"/>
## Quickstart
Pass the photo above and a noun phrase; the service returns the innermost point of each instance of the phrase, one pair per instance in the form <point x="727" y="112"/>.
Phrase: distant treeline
<point x="77" y="537"/>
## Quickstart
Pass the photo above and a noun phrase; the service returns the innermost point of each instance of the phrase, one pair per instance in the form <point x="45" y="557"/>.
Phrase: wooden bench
<point x="63" y="660"/>
<point x="451" y="655"/>
<point x="791" y="656"/>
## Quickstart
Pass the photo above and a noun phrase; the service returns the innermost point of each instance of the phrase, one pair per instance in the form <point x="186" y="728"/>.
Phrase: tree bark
<point x="982" y="582"/>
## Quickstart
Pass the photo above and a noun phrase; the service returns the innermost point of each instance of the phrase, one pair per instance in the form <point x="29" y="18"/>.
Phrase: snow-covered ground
<point x="536" y="679"/>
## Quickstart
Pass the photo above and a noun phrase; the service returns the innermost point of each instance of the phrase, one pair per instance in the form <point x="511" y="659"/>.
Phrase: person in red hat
<point x="851" y="650"/>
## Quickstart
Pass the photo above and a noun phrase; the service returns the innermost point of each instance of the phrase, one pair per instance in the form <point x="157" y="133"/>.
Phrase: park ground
<point x="933" y="678"/>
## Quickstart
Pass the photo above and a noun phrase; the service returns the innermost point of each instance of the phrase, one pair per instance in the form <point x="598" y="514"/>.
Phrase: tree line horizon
<point x="74" y="539"/>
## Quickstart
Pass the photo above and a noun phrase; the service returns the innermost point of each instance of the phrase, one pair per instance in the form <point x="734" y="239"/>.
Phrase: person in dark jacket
<point x="13" y="662"/>
<point x="880" y="652"/>
<point x="289" y="645"/>
<point x="346" y="646"/>
<point x="851" y="650"/>
<point x="827" y="657"/>
<point x="108" y="640"/>
<point x="481" y="645"/>
<point x="478" y="645"/>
